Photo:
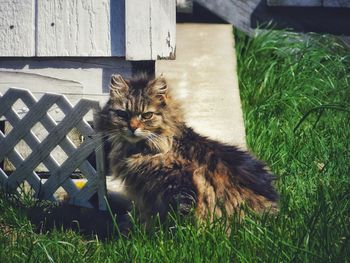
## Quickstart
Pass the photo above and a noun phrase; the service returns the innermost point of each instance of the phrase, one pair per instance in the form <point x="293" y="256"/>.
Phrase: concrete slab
<point x="205" y="69"/>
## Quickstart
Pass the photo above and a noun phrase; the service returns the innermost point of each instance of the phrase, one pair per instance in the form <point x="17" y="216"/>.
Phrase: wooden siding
<point x="137" y="29"/>
<point x="79" y="28"/>
<point x="17" y="28"/>
<point x="235" y="12"/>
<point x="249" y="15"/>
<point x="74" y="77"/>
<point x="150" y="27"/>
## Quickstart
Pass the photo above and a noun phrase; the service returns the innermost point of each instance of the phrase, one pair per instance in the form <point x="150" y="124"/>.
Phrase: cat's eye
<point x="147" y="115"/>
<point x="120" y="113"/>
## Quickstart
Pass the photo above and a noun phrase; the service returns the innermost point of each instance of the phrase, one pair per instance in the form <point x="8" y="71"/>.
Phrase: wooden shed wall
<point x="74" y="77"/>
<point x="17" y="28"/>
<point x="135" y="29"/>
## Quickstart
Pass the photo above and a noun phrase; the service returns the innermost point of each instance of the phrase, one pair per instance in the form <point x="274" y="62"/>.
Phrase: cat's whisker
<point x="155" y="144"/>
<point x="154" y="139"/>
<point x="104" y="138"/>
<point x="110" y="138"/>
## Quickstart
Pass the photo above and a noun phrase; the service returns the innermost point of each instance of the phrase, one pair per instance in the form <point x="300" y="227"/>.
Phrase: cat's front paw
<point x="183" y="202"/>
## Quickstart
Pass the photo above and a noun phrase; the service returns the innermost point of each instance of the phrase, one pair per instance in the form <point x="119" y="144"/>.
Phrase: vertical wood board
<point x="80" y="28"/>
<point x="236" y="12"/>
<point x="150" y="28"/>
<point x="163" y="29"/>
<point x="17" y="28"/>
<point x="137" y="31"/>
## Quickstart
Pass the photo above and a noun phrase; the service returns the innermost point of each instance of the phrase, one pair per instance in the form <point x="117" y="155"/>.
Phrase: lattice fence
<point x="41" y="149"/>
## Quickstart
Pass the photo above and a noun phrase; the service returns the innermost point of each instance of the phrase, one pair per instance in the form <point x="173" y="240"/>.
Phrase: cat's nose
<point x="134" y="124"/>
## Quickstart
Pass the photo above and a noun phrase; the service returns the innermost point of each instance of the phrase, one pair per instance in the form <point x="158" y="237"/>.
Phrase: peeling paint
<point x="171" y="56"/>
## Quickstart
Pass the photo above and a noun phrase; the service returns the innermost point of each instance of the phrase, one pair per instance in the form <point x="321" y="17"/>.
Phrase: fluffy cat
<point x="167" y="165"/>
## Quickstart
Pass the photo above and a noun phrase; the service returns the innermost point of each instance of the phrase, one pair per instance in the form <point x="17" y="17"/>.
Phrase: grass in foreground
<point x="295" y="96"/>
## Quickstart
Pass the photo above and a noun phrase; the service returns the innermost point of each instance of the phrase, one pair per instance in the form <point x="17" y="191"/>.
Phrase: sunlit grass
<point x="295" y="94"/>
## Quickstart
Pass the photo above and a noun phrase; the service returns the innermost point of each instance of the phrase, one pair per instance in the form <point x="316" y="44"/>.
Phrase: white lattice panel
<point x="41" y="150"/>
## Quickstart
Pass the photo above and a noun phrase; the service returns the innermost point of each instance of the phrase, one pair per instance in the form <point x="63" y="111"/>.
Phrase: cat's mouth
<point x="134" y="137"/>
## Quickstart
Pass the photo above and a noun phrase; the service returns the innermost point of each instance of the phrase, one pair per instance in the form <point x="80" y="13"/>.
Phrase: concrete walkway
<point x="205" y="69"/>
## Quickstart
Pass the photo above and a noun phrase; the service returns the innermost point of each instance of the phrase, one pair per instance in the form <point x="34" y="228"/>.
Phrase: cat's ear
<point x="158" y="88"/>
<point x="117" y="87"/>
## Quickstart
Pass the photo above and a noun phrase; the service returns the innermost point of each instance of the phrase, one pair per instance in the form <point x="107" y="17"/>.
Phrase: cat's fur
<point x="167" y="165"/>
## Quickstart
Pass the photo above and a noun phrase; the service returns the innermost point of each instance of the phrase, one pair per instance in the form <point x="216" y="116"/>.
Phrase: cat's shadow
<point x="90" y="222"/>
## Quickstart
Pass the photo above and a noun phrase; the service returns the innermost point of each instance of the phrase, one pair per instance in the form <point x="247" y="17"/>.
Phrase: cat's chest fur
<point x="151" y="179"/>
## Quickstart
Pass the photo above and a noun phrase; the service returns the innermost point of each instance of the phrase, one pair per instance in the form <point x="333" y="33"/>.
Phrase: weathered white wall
<point x="150" y="29"/>
<point x="137" y="29"/>
<point x="74" y="77"/>
<point x="17" y="28"/>
<point x="80" y="28"/>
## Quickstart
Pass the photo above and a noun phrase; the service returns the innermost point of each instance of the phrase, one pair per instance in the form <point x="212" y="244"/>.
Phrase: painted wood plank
<point x="336" y="3"/>
<point x="17" y="28"/>
<point x="73" y="77"/>
<point x="3" y="178"/>
<point x="101" y="173"/>
<point x="85" y="193"/>
<point x="137" y="31"/>
<point x="294" y="2"/>
<point x="39" y="83"/>
<point x="236" y="12"/>
<point x="10" y="98"/>
<point x="248" y="15"/>
<point x="163" y="29"/>
<point x="152" y="35"/>
<point x="80" y="28"/>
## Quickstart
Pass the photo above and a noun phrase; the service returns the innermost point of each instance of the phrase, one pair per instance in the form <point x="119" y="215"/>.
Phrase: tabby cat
<point x="167" y="165"/>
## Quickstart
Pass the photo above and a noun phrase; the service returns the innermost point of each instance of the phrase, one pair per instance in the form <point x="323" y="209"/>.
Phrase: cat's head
<point x="141" y="109"/>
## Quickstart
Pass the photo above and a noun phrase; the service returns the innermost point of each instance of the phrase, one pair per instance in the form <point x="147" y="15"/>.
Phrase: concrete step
<point x="205" y="69"/>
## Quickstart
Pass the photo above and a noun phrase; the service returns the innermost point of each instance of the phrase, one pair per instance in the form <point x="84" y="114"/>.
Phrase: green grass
<point x="295" y="94"/>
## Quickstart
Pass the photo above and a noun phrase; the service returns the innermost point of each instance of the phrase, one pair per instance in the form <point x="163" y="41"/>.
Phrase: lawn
<point x="295" y="93"/>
